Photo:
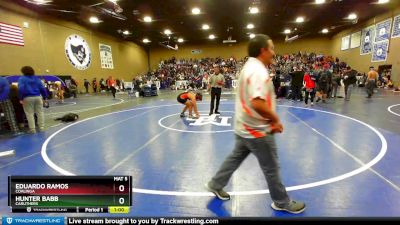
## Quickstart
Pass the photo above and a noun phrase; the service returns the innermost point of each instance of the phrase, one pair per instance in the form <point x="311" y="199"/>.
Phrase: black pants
<point x="95" y="89"/>
<point x="311" y="94"/>
<point x="113" y="91"/>
<point x="296" y="92"/>
<point x="215" y="93"/>
<point x="87" y="89"/>
<point x="370" y="87"/>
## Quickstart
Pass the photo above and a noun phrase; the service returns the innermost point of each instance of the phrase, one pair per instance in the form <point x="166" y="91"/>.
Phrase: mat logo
<point x="78" y="52"/>
<point x="221" y="121"/>
<point x="9" y="220"/>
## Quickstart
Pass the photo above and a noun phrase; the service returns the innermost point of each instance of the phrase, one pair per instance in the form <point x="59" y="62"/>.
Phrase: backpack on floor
<point x="70" y="117"/>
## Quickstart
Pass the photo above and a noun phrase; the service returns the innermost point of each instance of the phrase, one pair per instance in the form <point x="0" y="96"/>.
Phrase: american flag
<point x="11" y="34"/>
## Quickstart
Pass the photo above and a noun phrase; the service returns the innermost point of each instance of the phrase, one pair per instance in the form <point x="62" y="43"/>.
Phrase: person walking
<point x="371" y="81"/>
<point x="86" y="84"/>
<point x="31" y="94"/>
<point x="309" y="84"/>
<point x="217" y="82"/>
<point x="256" y="122"/>
<point x="111" y="83"/>
<point x="349" y="80"/>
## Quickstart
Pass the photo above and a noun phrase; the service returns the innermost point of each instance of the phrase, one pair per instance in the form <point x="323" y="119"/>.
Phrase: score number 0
<point x="121" y="200"/>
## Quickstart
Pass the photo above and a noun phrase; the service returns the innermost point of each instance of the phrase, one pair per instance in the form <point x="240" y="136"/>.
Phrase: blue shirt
<point x="30" y="86"/>
<point x="4" y="89"/>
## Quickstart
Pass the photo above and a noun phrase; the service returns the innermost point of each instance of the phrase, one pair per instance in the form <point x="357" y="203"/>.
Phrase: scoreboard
<point x="77" y="194"/>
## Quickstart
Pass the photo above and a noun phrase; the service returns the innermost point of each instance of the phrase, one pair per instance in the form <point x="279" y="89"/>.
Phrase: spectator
<point x="31" y="94"/>
<point x="6" y="105"/>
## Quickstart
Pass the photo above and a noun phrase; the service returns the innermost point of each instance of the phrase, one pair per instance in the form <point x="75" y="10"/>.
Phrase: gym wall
<point x="239" y="50"/>
<point x="45" y="48"/>
<point x="363" y="62"/>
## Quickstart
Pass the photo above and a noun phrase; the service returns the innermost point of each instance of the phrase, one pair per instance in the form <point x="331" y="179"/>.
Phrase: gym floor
<point x="341" y="158"/>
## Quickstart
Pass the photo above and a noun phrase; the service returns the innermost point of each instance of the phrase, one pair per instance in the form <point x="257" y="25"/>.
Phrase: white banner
<point x="382" y="30"/>
<point x="355" y="40"/>
<point x="396" y="27"/>
<point x="380" y="51"/>
<point x="367" y="37"/>
<point x="106" y="57"/>
<point x="345" y="43"/>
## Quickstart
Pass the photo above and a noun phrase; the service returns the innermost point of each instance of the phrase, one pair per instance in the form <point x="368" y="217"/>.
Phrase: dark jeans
<point x="311" y="94"/>
<point x="265" y="151"/>
<point x="113" y="91"/>
<point x="347" y="90"/>
<point x="215" y="93"/>
<point x="296" y="92"/>
<point x="370" y="87"/>
<point x="335" y="87"/>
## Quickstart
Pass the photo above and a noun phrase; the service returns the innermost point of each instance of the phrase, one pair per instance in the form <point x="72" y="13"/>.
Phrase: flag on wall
<point x="11" y="34"/>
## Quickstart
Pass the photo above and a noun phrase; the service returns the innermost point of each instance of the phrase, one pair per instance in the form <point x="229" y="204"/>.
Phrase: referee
<point x="217" y="81"/>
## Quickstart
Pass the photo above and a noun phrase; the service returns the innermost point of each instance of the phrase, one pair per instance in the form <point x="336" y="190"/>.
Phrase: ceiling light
<point x="211" y="36"/>
<point x="94" y="19"/>
<point x="196" y="11"/>
<point x="146" y="40"/>
<point x="383" y="1"/>
<point x="126" y="32"/>
<point x="39" y="2"/>
<point x="147" y="19"/>
<point x="252" y="36"/>
<point x="253" y="10"/>
<point x="300" y="19"/>
<point x="205" y="27"/>
<point x="352" y="16"/>
<point x="319" y="1"/>
<point x="250" y="26"/>
<point x="324" y="31"/>
<point x="287" y="31"/>
<point x="167" y="32"/>
<point x="180" y="40"/>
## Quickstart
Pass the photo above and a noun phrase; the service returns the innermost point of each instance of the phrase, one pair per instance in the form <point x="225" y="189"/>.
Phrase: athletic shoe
<point x="312" y="103"/>
<point x="216" y="112"/>
<point x="305" y="105"/>
<point x="295" y="207"/>
<point x="221" y="194"/>
<point x="182" y="115"/>
<point x="210" y="114"/>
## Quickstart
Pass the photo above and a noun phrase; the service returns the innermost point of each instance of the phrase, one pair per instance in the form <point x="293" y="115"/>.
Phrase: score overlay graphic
<point x="88" y="194"/>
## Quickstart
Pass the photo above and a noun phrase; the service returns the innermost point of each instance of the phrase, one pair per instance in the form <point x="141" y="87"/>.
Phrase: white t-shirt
<point x="254" y="82"/>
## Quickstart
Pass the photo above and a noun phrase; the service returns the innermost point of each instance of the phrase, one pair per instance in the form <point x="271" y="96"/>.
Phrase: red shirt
<point x="309" y="83"/>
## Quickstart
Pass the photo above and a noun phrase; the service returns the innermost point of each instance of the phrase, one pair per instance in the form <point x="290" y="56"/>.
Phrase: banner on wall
<point x="106" y="57"/>
<point x="11" y="34"/>
<point x="396" y="27"/>
<point x="380" y="51"/>
<point x="355" y="40"/>
<point x="367" y="37"/>
<point x="345" y="43"/>
<point x="382" y="30"/>
<point x="78" y="52"/>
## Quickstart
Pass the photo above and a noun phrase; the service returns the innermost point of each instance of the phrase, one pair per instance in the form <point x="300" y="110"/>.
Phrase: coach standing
<point x="217" y="82"/>
<point x="256" y="121"/>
